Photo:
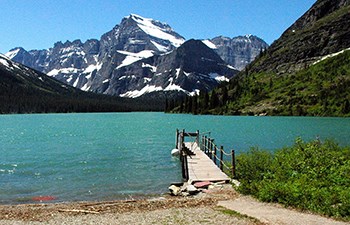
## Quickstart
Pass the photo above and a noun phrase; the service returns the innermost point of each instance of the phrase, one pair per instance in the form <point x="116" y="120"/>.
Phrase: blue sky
<point x="38" y="24"/>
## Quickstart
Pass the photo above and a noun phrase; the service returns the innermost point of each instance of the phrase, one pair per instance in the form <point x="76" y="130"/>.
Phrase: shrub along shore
<point x="311" y="176"/>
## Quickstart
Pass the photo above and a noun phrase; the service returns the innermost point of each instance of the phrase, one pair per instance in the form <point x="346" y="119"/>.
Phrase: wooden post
<point x="202" y="142"/>
<point x="177" y="139"/>
<point x="211" y="148"/>
<point x="221" y="157"/>
<point x="205" y="145"/>
<point x="214" y="156"/>
<point x="186" y="168"/>
<point x="233" y="163"/>
<point x="197" y="137"/>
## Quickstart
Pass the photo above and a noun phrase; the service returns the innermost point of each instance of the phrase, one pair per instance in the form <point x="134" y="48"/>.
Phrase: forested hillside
<point x="320" y="90"/>
<point x="305" y="72"/>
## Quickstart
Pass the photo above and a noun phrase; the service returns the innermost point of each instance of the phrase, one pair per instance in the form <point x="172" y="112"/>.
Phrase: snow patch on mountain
<point x="331" y="55"/>
<point x="92" y="68"/>
<point x="134" y="57"/>
<point x="150" y="28"/>
<point x="86" y="87"/>
<point x="231" y="67"/>
<point x="152" y="68"/>
<point x="55" y="72"/>
<point x="161" y="48"/>
<point x="174" y="87"/>
<point x="10" y="65"/>
<point x="12" y="53"/>
<point x="144" y="90"/>
<point x="209" y="44"/>
<point x="218" y="77"/>
<point x="4" y="62"/>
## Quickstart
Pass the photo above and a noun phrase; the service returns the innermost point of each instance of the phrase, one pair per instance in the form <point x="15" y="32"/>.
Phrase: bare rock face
<point x="239" y="51"/>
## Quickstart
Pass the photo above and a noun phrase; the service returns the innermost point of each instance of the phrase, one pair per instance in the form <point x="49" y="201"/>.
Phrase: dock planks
<point x="201" y="167"/>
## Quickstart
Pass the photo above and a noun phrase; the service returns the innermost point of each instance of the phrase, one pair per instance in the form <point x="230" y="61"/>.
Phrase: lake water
<point x="76" y="157"/>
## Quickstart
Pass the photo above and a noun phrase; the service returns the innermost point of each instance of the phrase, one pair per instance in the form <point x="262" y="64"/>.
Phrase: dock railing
<point x="207" y="145"/>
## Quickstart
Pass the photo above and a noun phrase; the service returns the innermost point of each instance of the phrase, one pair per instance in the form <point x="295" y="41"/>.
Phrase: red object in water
<point x="43" y="198"/>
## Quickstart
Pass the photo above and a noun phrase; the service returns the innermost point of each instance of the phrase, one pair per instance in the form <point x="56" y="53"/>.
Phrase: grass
<point x="238" y="215"/>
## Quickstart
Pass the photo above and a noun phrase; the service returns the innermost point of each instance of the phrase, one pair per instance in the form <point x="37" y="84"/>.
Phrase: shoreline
<point x="219" y="205"/>
<point x="51" y="200"/>
<point x="48" y="212"/>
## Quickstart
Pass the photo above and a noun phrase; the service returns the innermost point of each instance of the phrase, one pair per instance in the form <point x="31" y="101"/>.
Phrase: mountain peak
<point x="136" y="17"/>
<point x="157" y="29"/>
<point x="13" y="52"/>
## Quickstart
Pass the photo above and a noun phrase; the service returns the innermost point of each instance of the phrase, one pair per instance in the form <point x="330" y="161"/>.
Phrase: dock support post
<point x="233" y="163"/>
<point x="221" y="157"/>
<point x="202" y="143"/>
<point x="197" y="137"/>
<point x="177" y="139"/>
<point x="210" y="148"/>
<point x="214" y="156"/>
<point x="205" y="145"/>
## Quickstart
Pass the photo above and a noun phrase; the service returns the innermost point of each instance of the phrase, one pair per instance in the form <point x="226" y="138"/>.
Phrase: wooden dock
<point x="201" y="167"/>
<point x="201" y="159"/>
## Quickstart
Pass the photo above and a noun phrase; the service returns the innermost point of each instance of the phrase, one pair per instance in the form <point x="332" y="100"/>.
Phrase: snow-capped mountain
<point x="188" y="69"/>
<point x="137" y="56"/>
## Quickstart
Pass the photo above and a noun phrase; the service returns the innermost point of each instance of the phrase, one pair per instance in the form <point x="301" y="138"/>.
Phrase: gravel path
<point x="274" y="213"/>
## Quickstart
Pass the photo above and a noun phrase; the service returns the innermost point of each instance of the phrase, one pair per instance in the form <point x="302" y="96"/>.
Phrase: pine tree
<point x="224" y="95"/>
<point x="194" y="105"/>
<point x="214" y="100"/>
<point x="346" y="107"/>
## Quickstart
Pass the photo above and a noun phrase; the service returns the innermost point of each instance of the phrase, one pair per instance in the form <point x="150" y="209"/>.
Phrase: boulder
<point x="191" y="189"/>
<point x="174" y="190"/>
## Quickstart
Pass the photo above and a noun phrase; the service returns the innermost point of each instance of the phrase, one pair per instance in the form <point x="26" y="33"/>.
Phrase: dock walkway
<point x="201" y="167"/>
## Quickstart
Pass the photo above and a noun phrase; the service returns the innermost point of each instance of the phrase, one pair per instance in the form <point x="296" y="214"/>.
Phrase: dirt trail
<point x="273" y="213"/>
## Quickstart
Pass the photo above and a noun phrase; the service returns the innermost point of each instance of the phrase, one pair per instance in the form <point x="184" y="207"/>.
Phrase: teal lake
<point x="78" y="157"/>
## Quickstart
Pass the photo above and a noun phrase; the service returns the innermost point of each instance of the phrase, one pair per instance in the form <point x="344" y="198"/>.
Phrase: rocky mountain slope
<point x="189" y="69"/>
<point x="305" y="72"/>
<point x="322" y="30"/>
<point x="110" y="65"/>
<point x="238" y="51"/>
<point x="24" y="90"/>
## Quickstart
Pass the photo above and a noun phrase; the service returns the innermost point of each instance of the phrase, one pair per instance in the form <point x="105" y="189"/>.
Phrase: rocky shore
<point x="197" y="209"/>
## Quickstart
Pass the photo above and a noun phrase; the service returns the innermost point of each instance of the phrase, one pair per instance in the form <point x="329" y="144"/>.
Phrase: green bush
<point x="309" y="175"/>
